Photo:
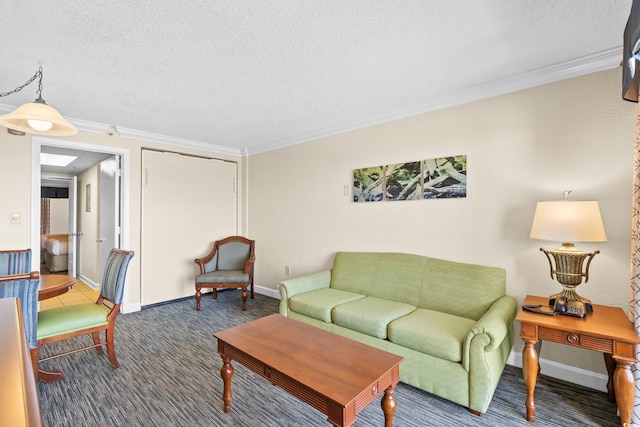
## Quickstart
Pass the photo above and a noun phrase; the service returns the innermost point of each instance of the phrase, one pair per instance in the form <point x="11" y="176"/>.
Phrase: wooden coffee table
<point x="337" y="376"/>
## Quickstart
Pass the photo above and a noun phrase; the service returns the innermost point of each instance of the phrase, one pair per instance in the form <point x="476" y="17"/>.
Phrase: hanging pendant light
<point x="37" y="117"/>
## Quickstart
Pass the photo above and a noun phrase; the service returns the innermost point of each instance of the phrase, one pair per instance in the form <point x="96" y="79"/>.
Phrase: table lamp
<point x="568" y="221"/>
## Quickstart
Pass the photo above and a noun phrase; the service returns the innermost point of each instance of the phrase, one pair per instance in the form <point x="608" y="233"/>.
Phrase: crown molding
<point x="589" y="64"/>
<point x="95" y="127"/>
<point x="180" y="142"/>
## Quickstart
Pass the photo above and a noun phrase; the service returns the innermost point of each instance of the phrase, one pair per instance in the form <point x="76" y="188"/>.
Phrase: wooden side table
<point x="606" y="329"/>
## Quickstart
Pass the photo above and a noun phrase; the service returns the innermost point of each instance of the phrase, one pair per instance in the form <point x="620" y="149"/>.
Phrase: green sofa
<point x="452" y="322"/>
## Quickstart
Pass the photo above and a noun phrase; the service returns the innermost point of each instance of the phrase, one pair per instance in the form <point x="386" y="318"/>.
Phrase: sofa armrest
<point x="493" y="326"/>
<point x="299" y="285"/>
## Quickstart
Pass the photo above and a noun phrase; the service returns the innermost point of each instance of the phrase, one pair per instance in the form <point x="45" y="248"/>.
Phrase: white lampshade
<point x="568" y="221"/>
<point x="38" y="118"/>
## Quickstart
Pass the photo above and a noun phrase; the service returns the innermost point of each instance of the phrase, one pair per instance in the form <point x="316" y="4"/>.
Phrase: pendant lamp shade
<point x="38" y="118"/>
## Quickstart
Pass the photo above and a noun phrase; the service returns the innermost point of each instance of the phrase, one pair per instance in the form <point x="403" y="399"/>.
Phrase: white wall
<point x="523" y="147"/>
<point x="59" y="216"/>
<point x="88" y="224"/>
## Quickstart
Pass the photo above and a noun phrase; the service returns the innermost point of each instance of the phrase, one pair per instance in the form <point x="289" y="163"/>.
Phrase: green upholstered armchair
<point x="229" y="264"/>
<point x="25" y="288"/>
<point x="73" y="320"/>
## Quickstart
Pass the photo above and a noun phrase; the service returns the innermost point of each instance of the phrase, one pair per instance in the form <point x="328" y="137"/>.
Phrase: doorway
<point x="112" y="184"/>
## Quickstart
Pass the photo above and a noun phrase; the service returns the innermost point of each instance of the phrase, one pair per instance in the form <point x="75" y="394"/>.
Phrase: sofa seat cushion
<point x="369" y="315"/>
<point x="223" y="276"/>
<point x="432" y="332"/>
<point x="318" y="303"/>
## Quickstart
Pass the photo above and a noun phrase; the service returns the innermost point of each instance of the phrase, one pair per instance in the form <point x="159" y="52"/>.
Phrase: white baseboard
<point x="137" y="306"/>
<point x="93" y="285"/>
<point x="273" y="293"/>
<point x="131" y="307"/>
<point x="564" y="372"/>
<point x="589" y="379"/>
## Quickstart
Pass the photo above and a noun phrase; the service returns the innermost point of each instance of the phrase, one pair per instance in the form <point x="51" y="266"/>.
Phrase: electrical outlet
<point x="16" y="218"/>
<point x="287" y="270"/>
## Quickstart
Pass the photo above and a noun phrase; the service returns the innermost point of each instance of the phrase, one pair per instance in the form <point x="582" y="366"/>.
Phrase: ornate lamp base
<point x="569" y="292"/>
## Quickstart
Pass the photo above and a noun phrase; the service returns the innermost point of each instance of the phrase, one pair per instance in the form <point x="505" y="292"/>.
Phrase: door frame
<point x="36" y="143"/>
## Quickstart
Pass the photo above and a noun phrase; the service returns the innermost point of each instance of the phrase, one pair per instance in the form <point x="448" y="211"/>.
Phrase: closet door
<point x="187" y="203"/>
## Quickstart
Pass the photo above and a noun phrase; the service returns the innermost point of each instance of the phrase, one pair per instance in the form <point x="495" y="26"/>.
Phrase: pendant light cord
<point x="19" y="88"/>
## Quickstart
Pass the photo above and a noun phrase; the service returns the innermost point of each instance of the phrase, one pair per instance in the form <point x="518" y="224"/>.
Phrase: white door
<point x="187" y="203"/>
<point x="73" y="227"/>
<point x="109" y="218"/>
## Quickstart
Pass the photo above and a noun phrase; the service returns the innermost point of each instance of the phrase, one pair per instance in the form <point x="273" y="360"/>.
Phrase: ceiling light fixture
<point x="60" y="160"/>
<point x="36" y="117"/>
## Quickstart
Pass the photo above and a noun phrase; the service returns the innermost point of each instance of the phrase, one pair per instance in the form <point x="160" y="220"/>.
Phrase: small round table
<point x="52" y="285"/>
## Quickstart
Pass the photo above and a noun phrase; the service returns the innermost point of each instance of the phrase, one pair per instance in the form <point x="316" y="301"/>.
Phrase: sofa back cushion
<point x="465" y="290"/>
<point x="390" y="276"/>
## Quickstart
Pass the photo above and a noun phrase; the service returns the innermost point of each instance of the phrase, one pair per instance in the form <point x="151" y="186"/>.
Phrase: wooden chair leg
<point x="96" y="341"/>
<point x="198" y="297"/>
<point x="215" y="293"/>
<point x="244" y="298"/>
<point x="111" y="349"/>
<point x="251" y="284"/>
<point x="34" y="360"/>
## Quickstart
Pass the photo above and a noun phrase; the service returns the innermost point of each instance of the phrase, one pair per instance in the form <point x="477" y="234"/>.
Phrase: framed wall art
<point x="439" y="178"/>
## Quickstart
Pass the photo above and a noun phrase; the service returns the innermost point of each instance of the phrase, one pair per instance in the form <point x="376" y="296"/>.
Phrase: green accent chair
<point x="229" y="264"/>
<point x="25" y="288"/>
<point x="70" y="321"/>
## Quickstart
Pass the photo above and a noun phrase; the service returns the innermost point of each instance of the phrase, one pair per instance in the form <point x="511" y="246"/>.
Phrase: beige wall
<point x="523" y="147"/>
<point x="15" y="168"/>
<point x="88" y="224"/>
<point x="15" y="161"/>
<point x="59" y="216"/>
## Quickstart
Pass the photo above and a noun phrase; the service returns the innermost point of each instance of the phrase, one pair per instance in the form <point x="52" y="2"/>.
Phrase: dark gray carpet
<point x="169" y="375"/>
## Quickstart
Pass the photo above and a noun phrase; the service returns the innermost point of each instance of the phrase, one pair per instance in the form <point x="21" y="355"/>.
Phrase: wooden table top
<point x="52" y="285"/>
<point x="604" y="321"/>
<point x="333" y="365"/>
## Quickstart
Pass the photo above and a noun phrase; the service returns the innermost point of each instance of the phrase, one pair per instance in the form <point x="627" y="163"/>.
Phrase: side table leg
<point x="388" y="404"/>
<point x="611" y="366"/>
<point x="623" y="385"/>
<point x="226" y="372"/>
<point x="530" y="370"/>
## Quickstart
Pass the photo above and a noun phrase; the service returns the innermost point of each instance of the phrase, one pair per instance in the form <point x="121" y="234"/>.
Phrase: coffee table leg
<point x="388" y="406"/>
<point x="226" y="372"/>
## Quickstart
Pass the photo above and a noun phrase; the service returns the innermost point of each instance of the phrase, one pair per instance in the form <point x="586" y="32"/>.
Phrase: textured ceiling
<point x="249" y="76"/>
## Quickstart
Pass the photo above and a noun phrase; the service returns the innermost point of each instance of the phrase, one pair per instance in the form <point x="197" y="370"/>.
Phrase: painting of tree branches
<point x="403" y="181"/>
<point x="445" y="177"/>
<point x="368" y="184"/>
